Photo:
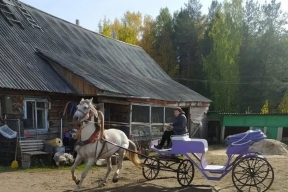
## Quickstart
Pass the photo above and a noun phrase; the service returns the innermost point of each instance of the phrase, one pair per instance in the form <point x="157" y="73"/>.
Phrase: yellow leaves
<point x="132" y="20"/>
<point x="128" y="35"/>
<point x="147" y="39"/>
<point x="128" y="30"/>
<point x="283" y="105"/>
<point x="133" y="29"/>
<point x="105" y="27"/>
<point x="265" y="108"/>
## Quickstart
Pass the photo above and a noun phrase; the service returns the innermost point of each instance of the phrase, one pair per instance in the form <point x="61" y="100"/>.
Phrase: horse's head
<point x="85" y="110"/>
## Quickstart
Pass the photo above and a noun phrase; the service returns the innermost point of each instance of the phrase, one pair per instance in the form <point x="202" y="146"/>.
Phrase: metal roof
<point x="106" y="63"/>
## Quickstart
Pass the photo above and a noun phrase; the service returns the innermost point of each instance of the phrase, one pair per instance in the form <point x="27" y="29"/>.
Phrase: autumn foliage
<point x="236" y="55"/>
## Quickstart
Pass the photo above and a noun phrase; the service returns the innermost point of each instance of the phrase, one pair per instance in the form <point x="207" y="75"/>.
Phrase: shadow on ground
<point x="144" y="186"/>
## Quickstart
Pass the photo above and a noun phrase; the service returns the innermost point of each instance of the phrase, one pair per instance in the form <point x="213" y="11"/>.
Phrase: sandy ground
<point x="132" y="180"/>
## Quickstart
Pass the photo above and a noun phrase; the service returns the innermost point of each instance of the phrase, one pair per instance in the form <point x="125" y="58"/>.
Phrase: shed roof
<point x="106" y="63"/>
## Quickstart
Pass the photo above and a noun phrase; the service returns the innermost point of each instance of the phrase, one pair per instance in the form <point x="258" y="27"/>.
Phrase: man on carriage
<point x="179" y="127"/>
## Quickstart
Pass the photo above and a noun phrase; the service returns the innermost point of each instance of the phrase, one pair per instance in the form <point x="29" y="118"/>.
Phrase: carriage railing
<point x="247" y="137"/>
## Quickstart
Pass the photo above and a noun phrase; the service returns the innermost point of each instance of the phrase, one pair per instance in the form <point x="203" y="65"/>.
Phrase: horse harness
<point x="94" y="137"/>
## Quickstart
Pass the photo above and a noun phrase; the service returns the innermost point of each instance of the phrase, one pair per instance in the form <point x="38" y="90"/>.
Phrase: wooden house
<point x="46" y="62"/>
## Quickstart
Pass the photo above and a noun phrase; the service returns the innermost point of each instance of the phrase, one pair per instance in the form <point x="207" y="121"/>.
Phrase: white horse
<point x="91" y="147"/>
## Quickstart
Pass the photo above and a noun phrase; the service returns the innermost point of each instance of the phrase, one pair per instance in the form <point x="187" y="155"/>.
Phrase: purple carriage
<point x="250" y="170"/>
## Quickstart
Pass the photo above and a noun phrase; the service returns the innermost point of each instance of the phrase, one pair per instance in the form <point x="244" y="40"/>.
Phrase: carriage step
<point x="217" y="172"/>
<point x="215" y="168"/>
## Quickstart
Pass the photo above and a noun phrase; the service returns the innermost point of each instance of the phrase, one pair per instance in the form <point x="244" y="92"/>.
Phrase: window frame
<point x="140" y="123"/>
<point x="149" y="124"/>
<point x="46" y="111"/>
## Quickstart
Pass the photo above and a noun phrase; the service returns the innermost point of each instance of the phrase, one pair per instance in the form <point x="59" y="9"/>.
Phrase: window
<point x="157" y="114"/>
<point x="140" y="114"/>
<point x="36" y="114"/>
<point x="169" y="115"/>
<point x="150" y="118"/>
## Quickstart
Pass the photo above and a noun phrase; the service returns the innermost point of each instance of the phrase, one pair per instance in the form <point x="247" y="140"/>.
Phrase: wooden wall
<point x="76" y="81"/>
<point x="58" y="101"/>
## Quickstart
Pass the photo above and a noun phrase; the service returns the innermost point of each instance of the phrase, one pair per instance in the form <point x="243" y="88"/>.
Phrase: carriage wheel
<point x="151" y="168"/>
<point x="252" y="174"/>
<point x="185" y="173"/>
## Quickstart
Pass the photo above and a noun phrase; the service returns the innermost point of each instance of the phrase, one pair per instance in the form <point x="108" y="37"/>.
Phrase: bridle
<point x="91" y="114"/>
<point x="80" y="126"/>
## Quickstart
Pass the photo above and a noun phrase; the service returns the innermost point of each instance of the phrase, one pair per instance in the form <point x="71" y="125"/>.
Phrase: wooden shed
<point x="46" y="62"/>
<point x="275" y="126"/>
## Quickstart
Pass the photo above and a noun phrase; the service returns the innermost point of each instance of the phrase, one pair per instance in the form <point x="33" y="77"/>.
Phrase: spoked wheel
<point x="151" y="168"/>
<point x="185" y="173"/>
<point x="253" y="173"/>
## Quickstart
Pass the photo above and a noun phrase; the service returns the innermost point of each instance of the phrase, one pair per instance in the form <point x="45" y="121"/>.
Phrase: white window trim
<point x="37" y="99"/>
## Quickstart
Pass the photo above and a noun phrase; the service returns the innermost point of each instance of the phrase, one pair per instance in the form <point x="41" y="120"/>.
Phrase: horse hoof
<point x="77" y="181"/>
<point x="115" y="180"/>
<point x="102" y="184"/>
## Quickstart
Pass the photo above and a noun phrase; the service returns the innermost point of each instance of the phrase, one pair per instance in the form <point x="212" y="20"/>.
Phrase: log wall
<point x="58" y="101"/>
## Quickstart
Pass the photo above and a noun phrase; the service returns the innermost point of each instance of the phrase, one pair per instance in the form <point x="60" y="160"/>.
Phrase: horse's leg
<point x="109" y="168"/>
<point x="77" y="161"/>
<point x="119" y="165"/>
<point x="84" y="173"/>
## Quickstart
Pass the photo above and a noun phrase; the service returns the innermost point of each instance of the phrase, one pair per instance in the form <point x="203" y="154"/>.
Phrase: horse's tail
<point x="133" y="156"/>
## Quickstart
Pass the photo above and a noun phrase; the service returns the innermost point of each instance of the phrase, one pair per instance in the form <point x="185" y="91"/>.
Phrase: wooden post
<point x="280" y="132"/>
<point x="265" y="130"/>
<point x="130" y="120"/>
<point x="222" y="133"/>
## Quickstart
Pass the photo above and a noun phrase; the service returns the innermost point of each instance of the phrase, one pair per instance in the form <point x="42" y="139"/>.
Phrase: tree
<point x="189" y="28"/>
<point x="221" y="65"/>
<point x="105" y="27"/>
<point x="273" y="51"/>
<point x="164" y="53"/>
<point x="131" y="30"/>
<point x="263" y="55"/>
<point x="148" y="35"/>
<point x="283" y="105"/>
<point x="128" y="30"/>
<point x="249" y="66"/>
<point x="265" y="108"/>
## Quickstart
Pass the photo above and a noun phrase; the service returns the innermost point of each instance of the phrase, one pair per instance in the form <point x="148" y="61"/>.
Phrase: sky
<point x="90" y="12"/>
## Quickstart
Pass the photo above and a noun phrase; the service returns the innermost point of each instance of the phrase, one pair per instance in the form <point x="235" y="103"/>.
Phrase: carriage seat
<point x="194" y="144"/>
<point x="184" y="135"/>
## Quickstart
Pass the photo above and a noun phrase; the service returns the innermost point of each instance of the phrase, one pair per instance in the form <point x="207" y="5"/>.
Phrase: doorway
<point x="214" y="131"/>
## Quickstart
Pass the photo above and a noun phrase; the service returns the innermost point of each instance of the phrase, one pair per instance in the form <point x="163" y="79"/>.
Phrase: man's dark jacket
<point x="180" y="124"/>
